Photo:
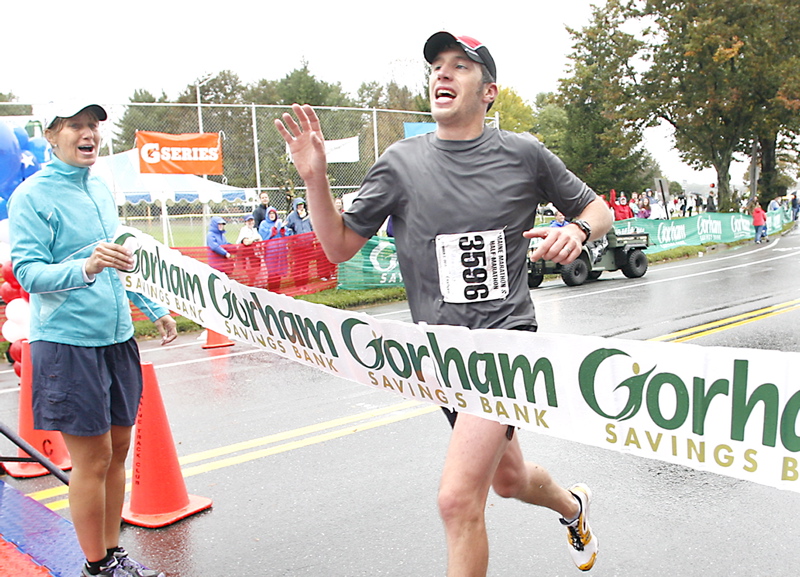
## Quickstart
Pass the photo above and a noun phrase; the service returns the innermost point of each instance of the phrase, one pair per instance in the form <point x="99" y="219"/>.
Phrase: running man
<point x="464" y="181"/>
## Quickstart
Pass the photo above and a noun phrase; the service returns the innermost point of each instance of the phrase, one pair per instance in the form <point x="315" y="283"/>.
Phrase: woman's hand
<point x="109" y="255"/>
<point x="168" y="329"/>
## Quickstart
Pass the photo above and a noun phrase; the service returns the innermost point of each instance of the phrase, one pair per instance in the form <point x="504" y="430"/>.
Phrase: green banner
<point x="709" y="227"/>
<point x="374" y="266"/>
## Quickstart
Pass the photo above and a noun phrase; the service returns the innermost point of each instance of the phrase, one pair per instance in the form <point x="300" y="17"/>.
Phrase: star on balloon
<point x="27" y="158"/>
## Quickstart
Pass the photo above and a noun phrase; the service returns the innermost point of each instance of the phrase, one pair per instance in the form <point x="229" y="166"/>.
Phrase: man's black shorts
<point x="452" y="414"/>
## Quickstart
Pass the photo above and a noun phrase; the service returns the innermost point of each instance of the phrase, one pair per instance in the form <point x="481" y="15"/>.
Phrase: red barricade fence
<point x="291" y="265"/>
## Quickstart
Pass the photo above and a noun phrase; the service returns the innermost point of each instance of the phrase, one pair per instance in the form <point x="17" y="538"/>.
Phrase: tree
<point x="550" y="122"/>
<point x="223" y="110"/>
<point x="369" y="95"/>
<point x="516" y="115"/>
<point x="698" y="83"/>
<point x="303" y="87"/>
<point x="154" y="118"/>
<point x="772" y="58"/>
<point x="602" y="146"/>
<point x="721" y="73"/>
<point x="13" y="109"/>
<point x="391" y="96"/>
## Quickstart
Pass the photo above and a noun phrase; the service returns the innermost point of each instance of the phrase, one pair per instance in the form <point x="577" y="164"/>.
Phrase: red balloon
<point x="18" y="368"/>
<point x="8" y="274"/>
<point x="25" y="294"/>
<point x="8" y="292"/>
<point x="15" y="350"/>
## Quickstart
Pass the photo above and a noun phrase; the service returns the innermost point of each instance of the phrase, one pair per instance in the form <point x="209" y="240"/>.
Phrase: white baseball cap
<point x="70" y="108"/>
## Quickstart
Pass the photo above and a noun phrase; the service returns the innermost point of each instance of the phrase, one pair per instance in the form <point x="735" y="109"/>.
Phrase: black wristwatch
<point x="585" y="227"/>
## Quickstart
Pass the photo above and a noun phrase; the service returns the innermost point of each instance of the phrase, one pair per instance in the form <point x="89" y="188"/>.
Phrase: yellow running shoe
<point x="582" y="542"/>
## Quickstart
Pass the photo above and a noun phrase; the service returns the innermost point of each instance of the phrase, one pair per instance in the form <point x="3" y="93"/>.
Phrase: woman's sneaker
<point x="582" y="542"/>
<point x="132" y="567"/>
<point x="112" y="569"/>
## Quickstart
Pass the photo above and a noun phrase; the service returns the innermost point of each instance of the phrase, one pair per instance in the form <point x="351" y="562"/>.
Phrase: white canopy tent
<point x="121" y="174"/>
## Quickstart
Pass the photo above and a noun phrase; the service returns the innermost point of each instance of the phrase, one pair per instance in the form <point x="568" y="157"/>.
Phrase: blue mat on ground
<point x="41" y="533"/>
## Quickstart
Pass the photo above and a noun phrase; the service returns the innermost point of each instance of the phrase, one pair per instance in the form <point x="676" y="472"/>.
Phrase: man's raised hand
<point x="306" y="142"/>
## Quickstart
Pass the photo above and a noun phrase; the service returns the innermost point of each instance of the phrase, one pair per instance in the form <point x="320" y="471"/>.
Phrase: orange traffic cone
<point x="158" y="492"/>
<point x="49" y="443"/>
<point x="216" y="340"/>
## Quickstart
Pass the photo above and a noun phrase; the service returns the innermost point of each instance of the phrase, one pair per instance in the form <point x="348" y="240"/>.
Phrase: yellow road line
<point x="254" y="443"/>
<point x="730" y="322"/>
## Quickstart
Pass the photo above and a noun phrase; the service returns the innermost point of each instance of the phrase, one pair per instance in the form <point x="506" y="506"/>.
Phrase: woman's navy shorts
<point x="84" y="390"/>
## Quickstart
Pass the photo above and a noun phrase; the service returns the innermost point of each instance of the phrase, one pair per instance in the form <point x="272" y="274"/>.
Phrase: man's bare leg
<point x="476" y="448"/>
<point x="480" y="456"/>
<point x="531" y="483"/>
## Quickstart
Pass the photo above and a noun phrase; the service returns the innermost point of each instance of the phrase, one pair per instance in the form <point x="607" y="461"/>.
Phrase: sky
<point x="105" y="50"/>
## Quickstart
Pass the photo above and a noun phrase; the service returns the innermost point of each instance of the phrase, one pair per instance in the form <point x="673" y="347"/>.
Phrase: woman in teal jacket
<point x="86" y="370"/>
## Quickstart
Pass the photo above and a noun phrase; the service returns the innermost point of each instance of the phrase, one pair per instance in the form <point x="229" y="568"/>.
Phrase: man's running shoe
<point x="132" y="567"/>
<point x="582" y="543"/>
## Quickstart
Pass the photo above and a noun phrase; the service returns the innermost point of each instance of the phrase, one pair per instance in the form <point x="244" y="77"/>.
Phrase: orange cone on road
<point x="49" y="443"/>
<point x="158" y="491"/>
<point x="216" y="340"/>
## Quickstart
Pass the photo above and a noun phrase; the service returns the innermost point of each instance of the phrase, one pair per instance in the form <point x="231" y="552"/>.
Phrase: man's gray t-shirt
<point x="434" y="187"/>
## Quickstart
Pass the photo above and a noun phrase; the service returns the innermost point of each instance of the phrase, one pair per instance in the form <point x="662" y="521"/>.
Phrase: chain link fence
<point x="254" y="156"/>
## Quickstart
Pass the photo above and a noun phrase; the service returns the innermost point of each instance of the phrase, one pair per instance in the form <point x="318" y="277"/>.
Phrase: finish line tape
<point x="729" y="411"/>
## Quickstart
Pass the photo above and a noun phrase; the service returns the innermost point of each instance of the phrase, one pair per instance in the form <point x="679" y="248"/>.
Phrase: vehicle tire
<point x="594" y="274"/>
<point x="635" y="265"/>
<point x="534" y="280"/>
<point x="576" y="272"/>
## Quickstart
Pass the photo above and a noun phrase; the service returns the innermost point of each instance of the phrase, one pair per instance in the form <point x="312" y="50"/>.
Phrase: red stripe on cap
<point x="471" y="42"/>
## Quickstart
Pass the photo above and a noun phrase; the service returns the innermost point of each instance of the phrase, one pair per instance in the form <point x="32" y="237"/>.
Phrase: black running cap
<point x="474" y="49"/>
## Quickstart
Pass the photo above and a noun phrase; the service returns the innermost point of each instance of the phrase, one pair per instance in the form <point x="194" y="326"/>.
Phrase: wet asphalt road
<point x="356" y="495"/>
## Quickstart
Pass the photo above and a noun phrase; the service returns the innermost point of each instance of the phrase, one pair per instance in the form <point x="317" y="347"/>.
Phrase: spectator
<point x="271" y="227"/>
<point x="273" y="231"/>
<point x="248" y="233"/>
<point x="644" y="208"/>
<point x="260" y="212"/>
<point x="218" y="255"/>
<point x="774" y="204"/>
<point x="298" y="221"/>
<point x="795" y="207"/>
<point x="620" y="207"/>
<point x="711" y="206"/>
<point x="301" y="249"/>
<point x="691" y="202"/>
<point x="248" y="261"/>
<point x="338" y="204"/>
<point x="560" y="220"/>
<point x="760" y="223"/>
<point x="634" y="203"/>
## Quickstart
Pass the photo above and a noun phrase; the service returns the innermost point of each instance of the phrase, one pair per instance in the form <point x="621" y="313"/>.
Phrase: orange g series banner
<point x="160" y="153"/>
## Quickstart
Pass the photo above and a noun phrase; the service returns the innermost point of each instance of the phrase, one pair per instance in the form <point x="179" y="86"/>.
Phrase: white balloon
<point x="5" y="252"/>
<point x="19" y="311"/>
<point x="12" y="332"/>
<point x="4" y="236"/>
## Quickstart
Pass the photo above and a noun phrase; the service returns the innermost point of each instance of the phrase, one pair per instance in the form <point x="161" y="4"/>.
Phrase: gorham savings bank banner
<point x="729" y="411"/>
